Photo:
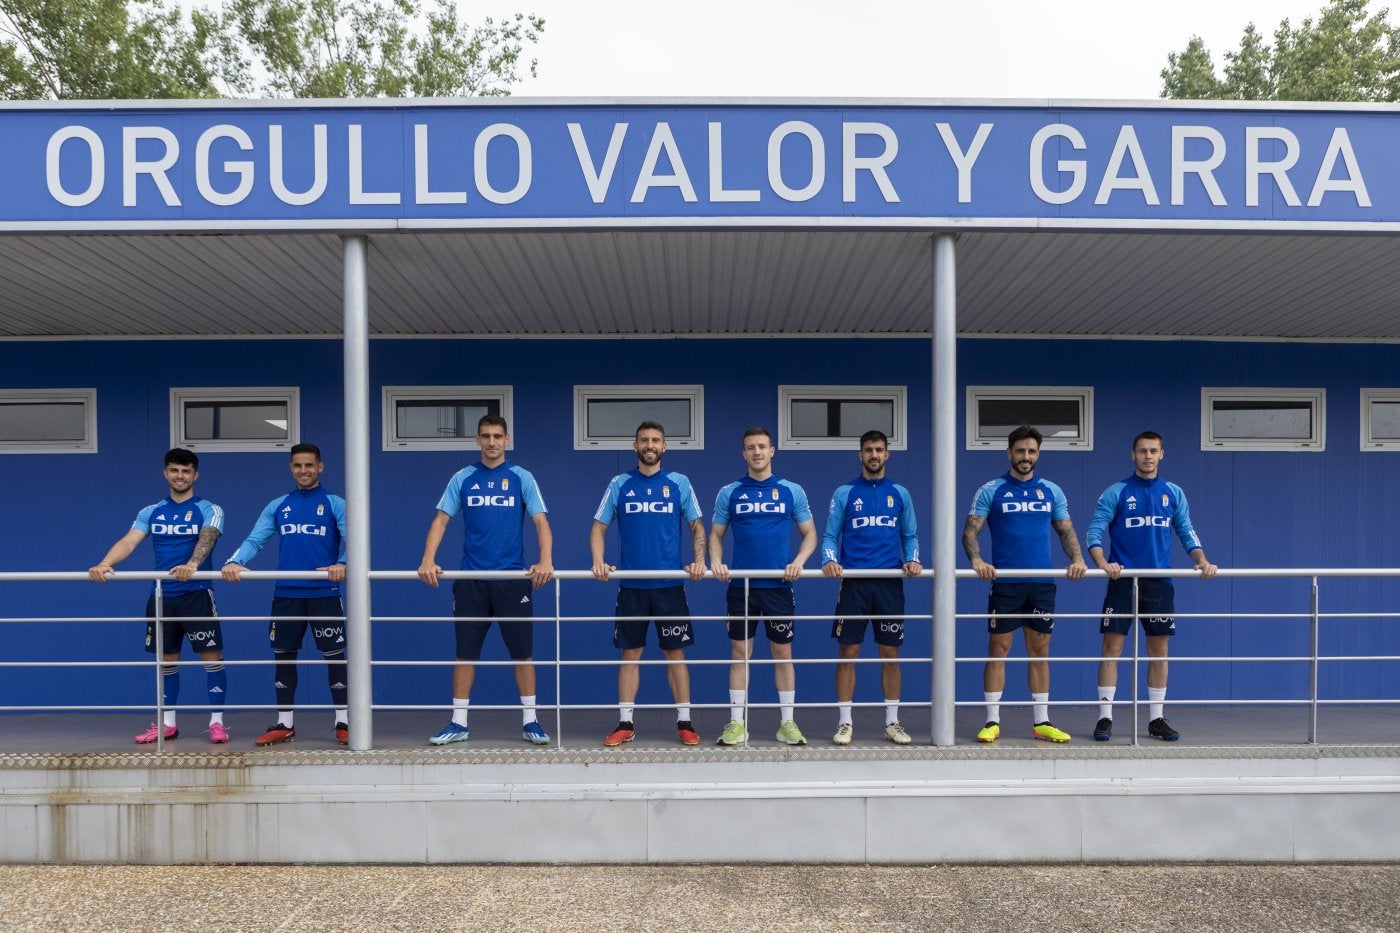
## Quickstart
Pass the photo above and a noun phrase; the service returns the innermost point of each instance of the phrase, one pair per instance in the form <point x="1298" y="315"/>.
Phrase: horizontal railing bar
<point x="389" y="575"/>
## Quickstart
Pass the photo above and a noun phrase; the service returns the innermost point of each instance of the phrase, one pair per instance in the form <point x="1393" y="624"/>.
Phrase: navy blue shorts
<point x="665" y="606"/>
<point x="1156" y="605"/>
<point x="505" y="601"/>
<point x="325" y="614"/>
<point x="1019" y="598"/>
<point x="774" y="604"/>
<point x="864" y="597"/>
<point x="185" y="615"/>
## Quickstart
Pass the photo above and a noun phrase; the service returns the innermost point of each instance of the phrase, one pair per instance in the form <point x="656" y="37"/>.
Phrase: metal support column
<point x="944" y="482"/>
<point x="357" y="433"/>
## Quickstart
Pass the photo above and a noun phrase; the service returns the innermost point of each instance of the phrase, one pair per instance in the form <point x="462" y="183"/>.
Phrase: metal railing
<point x="1313" y="614"/>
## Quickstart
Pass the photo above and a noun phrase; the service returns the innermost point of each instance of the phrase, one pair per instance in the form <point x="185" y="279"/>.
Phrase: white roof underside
<point x="706" y="282"/>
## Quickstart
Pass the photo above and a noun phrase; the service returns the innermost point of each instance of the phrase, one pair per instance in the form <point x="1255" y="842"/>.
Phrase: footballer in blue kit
<point x="870" y="526"/>
<point x="493" y="497"/>
<point x="1021" y="511"/>
<point x="183" y="529"/>
<point x="310" y="527"/>
<point x="653" y="510"/>
<point x="1140" y="516"/>
<point x="763" y="510"/>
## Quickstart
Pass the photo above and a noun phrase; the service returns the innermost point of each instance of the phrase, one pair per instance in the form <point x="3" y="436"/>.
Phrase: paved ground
<point x="697" y="898"/>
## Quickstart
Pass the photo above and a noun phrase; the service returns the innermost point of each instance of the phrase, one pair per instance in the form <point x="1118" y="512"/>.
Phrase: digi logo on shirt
<point x="665" y="508"/>
<point x="294" y="528"/>
<point x="882" y="521"/>
<point x="158" y="528"/>
<point x="504" y="501"/>
<point x="1037" y="506"/>
<point x="743" y="507"/>
<point x="1142" y="521"/>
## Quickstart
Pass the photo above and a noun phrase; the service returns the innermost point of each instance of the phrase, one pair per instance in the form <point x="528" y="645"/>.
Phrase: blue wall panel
<point x="1327" y="509"/>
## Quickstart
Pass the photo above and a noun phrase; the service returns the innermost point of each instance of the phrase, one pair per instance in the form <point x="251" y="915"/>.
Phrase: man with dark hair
<point x="650" y="506"/>
<point x="1140" y="514"/>
<point x="310" y="527"/>
<point x="762" y="509"/>
<point x="1020" y="509"/>
<point x="870" y="526"/>
<point x="494" y="496"/>
<point x="183" y="529"/>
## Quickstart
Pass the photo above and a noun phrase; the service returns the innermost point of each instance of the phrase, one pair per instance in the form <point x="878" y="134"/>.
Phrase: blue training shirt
<point x="1139" y="515"/>
<point x="174" y="529"/>
<point x="646" y="510"/>
<point x="493" y="503"/>
<point x="762" y="512"/>
<point x="310" y="529"/>
<point x="870" y="526"/>
<point x="1020" y="516"/>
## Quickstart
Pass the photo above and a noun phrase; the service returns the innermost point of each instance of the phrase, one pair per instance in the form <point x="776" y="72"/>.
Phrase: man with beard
<point x="650" y="505"/>
<point x="870" y="526"/>
<point x="1020" y="509"/>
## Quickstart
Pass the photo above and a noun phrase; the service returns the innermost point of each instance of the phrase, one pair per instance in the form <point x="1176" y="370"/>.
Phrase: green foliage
<point x="108" y="49"/>
<point x="125" y="49"/>
<point x="369" y="48"/>
<point x="1346" y="54"/>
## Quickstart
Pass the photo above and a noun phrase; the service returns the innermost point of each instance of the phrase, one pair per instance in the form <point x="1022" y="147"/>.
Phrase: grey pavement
<point x="697" y="898"/>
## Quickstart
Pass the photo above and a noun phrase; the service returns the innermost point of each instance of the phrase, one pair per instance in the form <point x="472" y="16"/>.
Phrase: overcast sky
<point x="1091" y="49"/>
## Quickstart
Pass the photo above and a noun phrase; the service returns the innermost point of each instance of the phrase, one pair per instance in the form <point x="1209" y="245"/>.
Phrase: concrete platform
<point x="1243" y="785"/>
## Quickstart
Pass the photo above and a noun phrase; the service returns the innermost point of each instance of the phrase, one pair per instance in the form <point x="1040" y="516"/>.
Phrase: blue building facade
<point x="1252" y="509"/>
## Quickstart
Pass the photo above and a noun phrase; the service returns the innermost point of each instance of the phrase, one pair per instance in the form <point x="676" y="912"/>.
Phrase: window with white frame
<point x="235" y="419"/>
<point x="48" y="421"/>
<point x="1263" y="419"/>
<point x="1064" y="415"/>
<point x="606" y="417"/>
<point x="834" y="417"/>
<point x="440" y="417"/>
<point x="1380" y="419"/>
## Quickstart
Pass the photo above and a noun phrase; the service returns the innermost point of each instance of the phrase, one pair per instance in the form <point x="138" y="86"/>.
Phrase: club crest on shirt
<point x="1040" y="493"/>
<point x="1164" y="500"/>
<point x="889" y="502"/>
<point x="775" y="494"/>
<point x="665" y="492"/>
<point x="321" y="509"/>
<point x="505" y="484"/>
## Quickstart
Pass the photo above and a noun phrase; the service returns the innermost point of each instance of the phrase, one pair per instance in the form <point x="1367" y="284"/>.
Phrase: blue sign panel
<point x="469" y="165"/>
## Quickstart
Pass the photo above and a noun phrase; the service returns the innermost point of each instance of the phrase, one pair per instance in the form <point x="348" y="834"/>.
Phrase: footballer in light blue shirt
<point x="870" y="526"/>
<point x="1140" y="515"/>
<point x="1022" y="511"/>
<point x="654" y="509"/>
<point x="763" y="510"/>
<point x="309" y="523"/>
<point x="494" y="498"/>
<point x="183" y="529"/>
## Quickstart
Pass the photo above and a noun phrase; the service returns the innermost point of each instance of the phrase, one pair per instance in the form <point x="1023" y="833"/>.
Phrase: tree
<point x="371" y="48"/>
<point x="120" y="49"/>
<point x="110" y="49"/>
<point x="1347" y="54"/>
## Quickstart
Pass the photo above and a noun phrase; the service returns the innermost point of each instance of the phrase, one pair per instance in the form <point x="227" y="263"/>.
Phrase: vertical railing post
<point x="558" y="667"/>
<point x="749" y="649"/>
<point x="1137" y="631"/>
<point x="159" y="648"/>
<point x="1316" y="641"/>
